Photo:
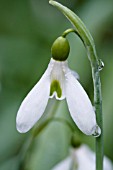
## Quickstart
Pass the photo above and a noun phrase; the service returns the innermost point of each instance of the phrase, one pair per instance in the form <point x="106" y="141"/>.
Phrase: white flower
<point x="82" y="158"/>
<point x="60" y="82"/>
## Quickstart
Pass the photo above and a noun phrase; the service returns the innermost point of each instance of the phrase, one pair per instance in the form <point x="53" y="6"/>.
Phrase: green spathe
<point x="60" y="49"/>
<point x="55" y="87"/>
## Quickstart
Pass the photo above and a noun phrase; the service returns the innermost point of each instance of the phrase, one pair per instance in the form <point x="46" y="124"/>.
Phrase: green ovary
<point x="55" y="87"/>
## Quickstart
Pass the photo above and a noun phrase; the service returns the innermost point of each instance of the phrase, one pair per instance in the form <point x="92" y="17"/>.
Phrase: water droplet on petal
<point x="101" y="65"/>
<point x="97" y="131"/>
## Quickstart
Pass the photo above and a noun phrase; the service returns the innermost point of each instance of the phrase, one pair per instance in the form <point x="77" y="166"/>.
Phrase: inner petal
<point x="55" y="89"/>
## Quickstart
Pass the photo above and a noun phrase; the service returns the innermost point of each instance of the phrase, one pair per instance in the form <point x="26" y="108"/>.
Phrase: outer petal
<point x="108" y="165"/>
<point x="80" y="106"/>
<point x="75" y="74"/>
<point x="85" y="158"/>
<point x="63" y="165"/>
<point x="34" y="104"/>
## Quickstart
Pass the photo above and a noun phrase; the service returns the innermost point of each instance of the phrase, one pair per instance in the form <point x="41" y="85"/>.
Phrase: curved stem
<point x="36" y="131"/>
<point x="47" y="118"/>
<point x="51" y="119"/>
<point x="66" y="32"/>
<point x="87" y="39"/>
<point x="28" y="144"/>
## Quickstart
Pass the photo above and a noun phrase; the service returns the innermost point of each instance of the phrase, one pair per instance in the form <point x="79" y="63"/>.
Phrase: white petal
<point x="80" y="106"/>
<point x="34" y="104"/>
<point x="108" y="165"/>
<point x="63" y="165"/>
<point x="57" y="74"/>
<point x="75" y="74"/>
<point x="85" y="158"/>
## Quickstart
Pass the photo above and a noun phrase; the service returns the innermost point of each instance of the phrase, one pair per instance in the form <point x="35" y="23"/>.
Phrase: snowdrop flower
<point x="61" y="82"/>
<point x="82" y="158"/>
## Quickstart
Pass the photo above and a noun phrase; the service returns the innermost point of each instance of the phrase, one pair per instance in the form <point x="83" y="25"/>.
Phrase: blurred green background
<point x="27" y="31"/>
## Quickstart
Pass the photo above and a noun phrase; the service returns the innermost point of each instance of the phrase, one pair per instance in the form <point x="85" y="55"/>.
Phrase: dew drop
<point x="97" y="131"/>
<point x="101" y="65"/>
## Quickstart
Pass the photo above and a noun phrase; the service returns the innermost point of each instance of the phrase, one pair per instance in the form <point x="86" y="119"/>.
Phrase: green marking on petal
<point x="55" y="87"/>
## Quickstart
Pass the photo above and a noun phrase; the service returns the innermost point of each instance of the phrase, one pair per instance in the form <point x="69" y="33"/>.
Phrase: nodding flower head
<point x="61" y="82"/>
<point x="81" y="158"/>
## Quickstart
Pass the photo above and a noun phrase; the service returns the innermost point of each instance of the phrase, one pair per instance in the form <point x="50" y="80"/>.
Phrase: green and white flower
<point x="82" y="158"/>
<point x="60" y="82"/>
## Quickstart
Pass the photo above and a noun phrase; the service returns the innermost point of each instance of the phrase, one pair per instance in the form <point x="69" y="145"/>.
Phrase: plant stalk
<point x="84" y="34"/>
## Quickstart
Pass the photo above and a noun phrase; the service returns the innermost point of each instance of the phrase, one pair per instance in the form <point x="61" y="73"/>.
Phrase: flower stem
<point x="66" y="32"/>
<point x="84" y="34"/>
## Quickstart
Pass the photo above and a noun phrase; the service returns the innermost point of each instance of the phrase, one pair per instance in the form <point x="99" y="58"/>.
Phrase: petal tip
<point x="22" y="127"/>
<point x="96" y="131"/>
